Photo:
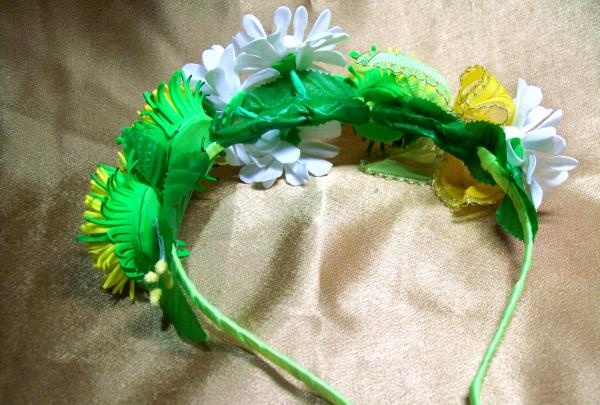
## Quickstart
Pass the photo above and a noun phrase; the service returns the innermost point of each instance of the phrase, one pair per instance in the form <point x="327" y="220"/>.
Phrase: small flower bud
<point x="155" y="296"/>
<point x="160" y="267"/>
<point x="151" y="277"/>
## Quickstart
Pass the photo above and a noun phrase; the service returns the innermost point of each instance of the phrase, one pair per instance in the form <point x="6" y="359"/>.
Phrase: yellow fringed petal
<point x="93" y="229"/>
<point x="455" y="186"/>
<point x="93" y="204"/>
<point x="119" y="287"/>
<point x="101" y="250"/>
<point x="482" y="98"/>
<point x="102" y="174"/>
<point x="131" y="290"/>
<point x="148" y="108"/>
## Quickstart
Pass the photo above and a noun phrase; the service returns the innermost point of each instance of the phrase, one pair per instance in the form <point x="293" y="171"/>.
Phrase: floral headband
<point x="265" y="103"/>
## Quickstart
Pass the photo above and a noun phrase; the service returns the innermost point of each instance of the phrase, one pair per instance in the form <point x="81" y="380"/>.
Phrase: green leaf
<point x="146" y="147"/>
<point x="418" y="117"/>
<point x="180" y="314"/>
<point x="414" y="162"/>
<point x="508" y="219"/>
<point x="297" y="99"/>
<point x="174" y="106"/>
<point x="516" y="210"/>
<point x="188" y="164"/>
<point x="507" y="215"/>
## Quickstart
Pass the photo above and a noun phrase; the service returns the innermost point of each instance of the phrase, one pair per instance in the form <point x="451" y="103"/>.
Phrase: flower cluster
<point x="531" y="139"/>
<point x="256" y="57"/>
<point x="534" y="145"/>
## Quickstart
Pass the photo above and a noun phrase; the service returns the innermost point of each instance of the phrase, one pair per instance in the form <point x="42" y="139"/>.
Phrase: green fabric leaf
<point x="180" y="314"/>
<point x="146" y="148"/>
<point x="517" y="209"/>
<point x="416" y="117"/>
<point x="188" y="164"/>
<point x="507" y="215"/>
<point x="508" y="219"/>
<point x="415" y="162"/>
<point x="298" y="99"/>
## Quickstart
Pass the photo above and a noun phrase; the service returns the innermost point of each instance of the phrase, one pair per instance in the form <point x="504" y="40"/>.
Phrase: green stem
<point x="475" y="388"/>
<point x="253" y="342"/>
<point x="509" y="310"/>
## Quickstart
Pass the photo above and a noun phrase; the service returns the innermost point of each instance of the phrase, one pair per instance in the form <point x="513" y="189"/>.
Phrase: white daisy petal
<point x="250" y="63"/>
<point x="561" y="163"/>
<point x="282" y="18"/>
<point x="535" y="126"/>
<point x="529" y="168"/>
<point x="240" y="39"/>
<point x="249" y="173"/>
<point x="322" y="23"/>
<point x="286" y="153"/>
<point x="303" y="58"/>
<point x="195" y="70"/>
<point x="261" y="160"/>
<point x="274" y="170"/>
<point x="265" y="50"/>
<point x="211" y="57"/>
<point x="271" y="135"/>
<point x="269" y="183"/>
<point x="535" y="117"/>
<point x="254" y="174"/>
<point x="330" y="57"/>
<point x="319" y="149"/>
<point x="513" y="157"/>
<point x="317" y="167"/>
<point x="329" y="40"/>
<point x="553" y="120"/>
<point x="261" y="47"/>
<point x="216" y="102"/>
<point x="527" y="98"/>
<point x="261" y="77"/>
<point x="329" y="130"/>
<point x="544" y="140"/>
<point x="296" y="174"/>
<point x="253" y="27"/>
<point x="552" y="179"/>
<point x="300" y="23"/>
<point x="231" y="157"/>
<point x="536" y="194"/>
<point x="216" y="80"/>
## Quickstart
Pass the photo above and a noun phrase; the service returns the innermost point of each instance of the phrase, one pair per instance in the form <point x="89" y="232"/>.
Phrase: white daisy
<point x="260" y="51"/>
<point x="266" y="160"/>
<point x="221" y="81"/>
<point x="534" y="126"/>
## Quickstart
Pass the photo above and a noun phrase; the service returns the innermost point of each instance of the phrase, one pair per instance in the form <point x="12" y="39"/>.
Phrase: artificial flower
<point x="221" y="81"/>
<point x="481" y="97"/>
<point x="261" y="51"/>
<point x="266" y="160"/>
<point x="534" y="146"/>
<point x="118" y="228"/>
<point x="457" y="188"/>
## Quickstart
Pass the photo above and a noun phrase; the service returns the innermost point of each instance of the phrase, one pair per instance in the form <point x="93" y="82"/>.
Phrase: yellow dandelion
<point x="120" y="214"/>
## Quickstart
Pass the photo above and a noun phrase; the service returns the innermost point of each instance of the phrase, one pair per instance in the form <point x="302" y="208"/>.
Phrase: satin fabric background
<point x="372" y="284"/>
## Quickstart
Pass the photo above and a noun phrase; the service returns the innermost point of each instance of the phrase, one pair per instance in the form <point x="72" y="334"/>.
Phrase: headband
<point x="265" y="103"/>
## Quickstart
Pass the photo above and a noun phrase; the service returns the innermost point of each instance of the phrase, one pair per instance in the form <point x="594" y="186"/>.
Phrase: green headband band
<point x="264" y="103"/>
